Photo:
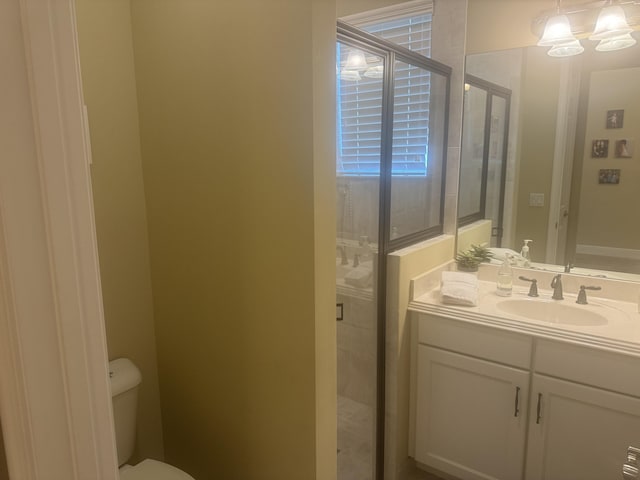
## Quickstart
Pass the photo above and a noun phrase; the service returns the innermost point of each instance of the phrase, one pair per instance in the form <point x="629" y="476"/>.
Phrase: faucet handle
<point x="533" y="290"/>
<point x="556" y="284"/>
<point x="582" y="294"/>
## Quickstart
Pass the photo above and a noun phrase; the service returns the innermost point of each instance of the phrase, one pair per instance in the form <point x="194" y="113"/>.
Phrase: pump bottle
<point x="524" y="253"/>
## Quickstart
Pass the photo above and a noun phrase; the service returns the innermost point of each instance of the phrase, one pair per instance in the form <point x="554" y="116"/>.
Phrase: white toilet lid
<point x="153" y="470"/>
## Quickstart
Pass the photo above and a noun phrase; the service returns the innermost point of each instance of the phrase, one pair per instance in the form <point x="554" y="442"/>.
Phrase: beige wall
<point x="538" y="106"/>
<point x="235" y="159"/>
<point x="351" y="7"/>
<point x="106" y="51"/>
<point x="606" y="211"/>
<point x="501" y="24"/>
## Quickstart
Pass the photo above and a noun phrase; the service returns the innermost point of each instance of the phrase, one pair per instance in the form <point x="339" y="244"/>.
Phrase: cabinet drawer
<point x="588" y="365"/>
<point x="489" y="343"/>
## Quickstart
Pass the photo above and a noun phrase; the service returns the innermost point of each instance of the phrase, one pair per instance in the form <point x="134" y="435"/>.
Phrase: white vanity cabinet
<point x="471" y="400"/>
<point x="585" y="412"/>
<point x="472" y="415"/>
<point x="580" y="432"/>
<point x="483" y="394"/>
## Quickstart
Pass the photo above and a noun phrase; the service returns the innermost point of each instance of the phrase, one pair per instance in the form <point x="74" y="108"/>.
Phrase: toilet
<point x="125" y="379"/>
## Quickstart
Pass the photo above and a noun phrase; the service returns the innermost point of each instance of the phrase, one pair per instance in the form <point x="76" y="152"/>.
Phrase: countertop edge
<point x="540" y="331"/>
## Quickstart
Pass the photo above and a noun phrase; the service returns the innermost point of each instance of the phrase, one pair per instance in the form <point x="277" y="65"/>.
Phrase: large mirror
<point x="569" y="170"/>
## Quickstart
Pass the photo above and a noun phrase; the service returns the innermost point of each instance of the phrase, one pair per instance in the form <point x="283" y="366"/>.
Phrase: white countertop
<point x="620" y="334"/>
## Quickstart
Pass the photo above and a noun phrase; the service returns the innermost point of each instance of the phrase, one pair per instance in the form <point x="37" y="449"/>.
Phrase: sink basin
<point x="552" y="312"/>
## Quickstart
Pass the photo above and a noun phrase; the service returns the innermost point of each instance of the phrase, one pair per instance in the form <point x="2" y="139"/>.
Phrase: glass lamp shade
<point x="356" y="60"/>
<point x="557" y="31"/>
<point x="616" y="43"/>
<point x="612" y="22"/>
<point x="566" y="49"/>
<point x="374" y="72"/>
<point x="350" y="75"/>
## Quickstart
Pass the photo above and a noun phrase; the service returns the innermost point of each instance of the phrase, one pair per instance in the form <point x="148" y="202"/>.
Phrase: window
<point x="359" y="90"/>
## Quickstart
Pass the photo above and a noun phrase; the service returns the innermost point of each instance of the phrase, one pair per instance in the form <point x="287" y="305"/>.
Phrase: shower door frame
<point x="492" y="90"/>
<point x="354" y="37"/>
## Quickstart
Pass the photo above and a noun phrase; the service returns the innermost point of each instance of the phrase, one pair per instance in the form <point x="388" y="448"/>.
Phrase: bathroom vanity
<point x="543" y="390"/>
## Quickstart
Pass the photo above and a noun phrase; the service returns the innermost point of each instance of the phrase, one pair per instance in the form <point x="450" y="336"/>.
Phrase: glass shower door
<point x="483" y="167"/>
<point x="359" y="125"/>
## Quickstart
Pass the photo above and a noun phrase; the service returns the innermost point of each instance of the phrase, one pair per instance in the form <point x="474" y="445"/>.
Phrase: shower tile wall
<point x="356" y="349"/>
<point x="358" y="213"/>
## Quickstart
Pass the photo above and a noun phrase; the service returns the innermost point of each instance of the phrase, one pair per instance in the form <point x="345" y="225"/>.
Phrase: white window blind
<point x="359" y="104"/>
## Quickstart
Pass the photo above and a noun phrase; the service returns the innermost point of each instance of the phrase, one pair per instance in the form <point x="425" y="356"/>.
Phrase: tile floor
<point x="355" y="440"/>
<point x="355" y="443"/>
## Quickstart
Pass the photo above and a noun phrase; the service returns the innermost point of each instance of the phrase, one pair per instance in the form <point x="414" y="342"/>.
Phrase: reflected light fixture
<point x="350" y="75"/>
<point x="611" y="23"/>
<point x="558" y="35"/>
<point x="376" y="71"/>
<point x="612" y="29"/>
<point x="566" y="49"/>
<point x="557" y="31"/>
<point x="355" y="60"/>
<point x="616" y="43"/>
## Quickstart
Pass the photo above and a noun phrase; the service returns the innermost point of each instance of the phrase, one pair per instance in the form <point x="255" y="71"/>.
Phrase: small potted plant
<point x="469" y="260"/>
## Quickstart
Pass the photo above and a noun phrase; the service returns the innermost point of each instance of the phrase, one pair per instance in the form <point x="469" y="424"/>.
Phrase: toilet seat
<point x="152" y="470"/>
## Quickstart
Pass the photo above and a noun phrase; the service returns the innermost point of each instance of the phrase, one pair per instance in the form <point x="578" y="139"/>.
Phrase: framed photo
<point x="600" y="148"/>
<point x="615" y="118"/>
<point x="624" y="148"/>
<point x="609" y="176"/>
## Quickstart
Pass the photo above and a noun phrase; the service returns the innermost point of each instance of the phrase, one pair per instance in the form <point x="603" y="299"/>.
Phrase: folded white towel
<point x="459" y="288"/>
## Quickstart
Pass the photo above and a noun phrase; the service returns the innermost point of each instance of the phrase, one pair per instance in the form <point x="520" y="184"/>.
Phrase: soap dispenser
<point x="505" y="278"/>
<point x="524" y="253"/>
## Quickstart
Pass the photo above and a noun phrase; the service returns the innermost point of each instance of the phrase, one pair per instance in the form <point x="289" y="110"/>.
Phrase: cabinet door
<point x="579" y="432"/>
<point x="470" y="415"/>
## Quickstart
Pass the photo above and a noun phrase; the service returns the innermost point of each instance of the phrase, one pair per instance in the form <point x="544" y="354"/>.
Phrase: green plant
<point x="482" y="252"/>
<point x="474" y="256"/>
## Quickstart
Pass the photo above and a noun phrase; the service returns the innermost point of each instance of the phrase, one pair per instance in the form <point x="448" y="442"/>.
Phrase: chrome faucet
<point x="533" y="290"/>
<point x="556" y="284"/>
<point x="582" y="295"/>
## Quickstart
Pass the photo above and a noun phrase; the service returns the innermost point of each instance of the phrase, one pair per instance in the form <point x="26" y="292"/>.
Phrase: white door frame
<point x="566" y="124"/>
<point x="54" y="388"/>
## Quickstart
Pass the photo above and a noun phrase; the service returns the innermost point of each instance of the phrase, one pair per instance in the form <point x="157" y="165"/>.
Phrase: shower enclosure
<point x="391" y="130"/>
<point x="483" y="168"/>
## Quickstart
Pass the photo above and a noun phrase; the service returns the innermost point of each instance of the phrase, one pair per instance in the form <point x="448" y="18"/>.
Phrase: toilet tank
<point x="125" y="378"/>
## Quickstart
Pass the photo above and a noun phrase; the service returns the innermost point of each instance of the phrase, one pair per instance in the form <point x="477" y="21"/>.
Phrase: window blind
<point x="359" y="106"/>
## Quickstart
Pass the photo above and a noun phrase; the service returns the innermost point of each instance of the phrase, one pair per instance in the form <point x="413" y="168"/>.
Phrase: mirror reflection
<point x="570" y="170"/>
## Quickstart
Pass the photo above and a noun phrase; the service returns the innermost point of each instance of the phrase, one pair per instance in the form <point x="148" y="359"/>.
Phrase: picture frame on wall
<point x="615" y="118"/>
<point x="624" y="148"/>
<point x="600" y="148"/>
<point x="609" y="176"/>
